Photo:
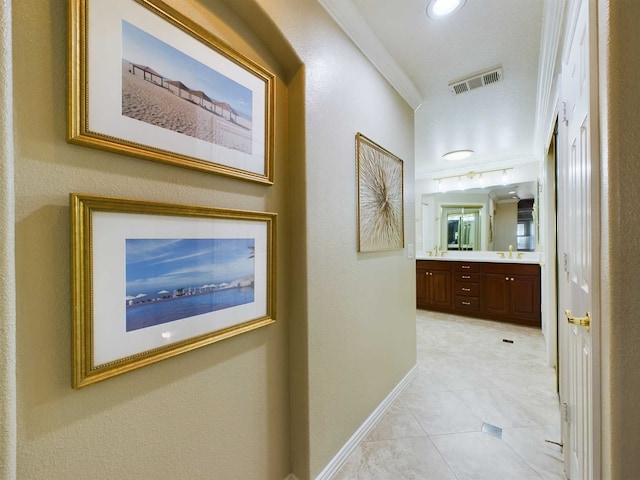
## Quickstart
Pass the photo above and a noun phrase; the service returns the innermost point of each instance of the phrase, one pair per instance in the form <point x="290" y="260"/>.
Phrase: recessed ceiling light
<point x="441" y="8"/>
<point x="458" y="155"/>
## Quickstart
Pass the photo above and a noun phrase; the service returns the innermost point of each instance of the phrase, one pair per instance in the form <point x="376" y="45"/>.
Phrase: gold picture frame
<point x="146" y="81"/>
<point x="153" y="280"/>
<point x="380" y="197"/>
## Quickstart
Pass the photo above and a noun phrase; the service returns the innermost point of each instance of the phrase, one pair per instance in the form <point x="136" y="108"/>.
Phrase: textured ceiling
<point x="497" y="121"/>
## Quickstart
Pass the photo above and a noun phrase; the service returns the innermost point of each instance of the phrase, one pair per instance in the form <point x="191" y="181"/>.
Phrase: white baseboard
<point x="341" y="457"/>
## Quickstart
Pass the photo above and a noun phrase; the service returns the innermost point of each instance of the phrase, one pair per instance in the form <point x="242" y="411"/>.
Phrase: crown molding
<point x="346" y="15"/>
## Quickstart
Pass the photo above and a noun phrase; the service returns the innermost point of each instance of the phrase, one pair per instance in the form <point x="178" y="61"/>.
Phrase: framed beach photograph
<point x="380" y="197"/>
<point x="146" y="81"/>
<point x="153" y="280"/>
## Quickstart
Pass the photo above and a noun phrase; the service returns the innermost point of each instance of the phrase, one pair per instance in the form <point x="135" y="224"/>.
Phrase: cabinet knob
<point x="506" y="278"/>
<point x="512" y="279"/>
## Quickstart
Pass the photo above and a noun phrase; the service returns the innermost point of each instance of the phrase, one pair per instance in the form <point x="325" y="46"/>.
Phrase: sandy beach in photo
<point x="143" y="100"/>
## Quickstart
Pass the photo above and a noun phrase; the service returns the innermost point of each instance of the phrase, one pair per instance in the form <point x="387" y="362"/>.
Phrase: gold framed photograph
<point x="146" y="81"/>
<point x="153" y="280"/>
<point x="380" y="197"/>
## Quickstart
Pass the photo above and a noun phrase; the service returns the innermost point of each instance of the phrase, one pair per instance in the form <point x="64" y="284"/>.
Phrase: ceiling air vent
<point x="476" y="81"/>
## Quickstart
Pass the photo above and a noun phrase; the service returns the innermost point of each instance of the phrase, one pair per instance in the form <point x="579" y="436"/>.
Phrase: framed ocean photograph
<point x="146" y="81"/>
<point x="380" y="197"/>
<point x="153" y="280"/>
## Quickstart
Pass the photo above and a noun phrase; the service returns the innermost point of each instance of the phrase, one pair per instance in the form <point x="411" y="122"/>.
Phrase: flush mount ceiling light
<point x="437" y="9"/>
<point x="458" y="155"/>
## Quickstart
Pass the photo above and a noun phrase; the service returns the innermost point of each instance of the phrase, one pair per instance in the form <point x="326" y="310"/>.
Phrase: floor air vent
<point x="476" y="81"/>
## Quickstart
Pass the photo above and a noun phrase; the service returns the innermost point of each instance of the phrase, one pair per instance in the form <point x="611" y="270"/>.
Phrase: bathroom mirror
<point x="481" y="219"/>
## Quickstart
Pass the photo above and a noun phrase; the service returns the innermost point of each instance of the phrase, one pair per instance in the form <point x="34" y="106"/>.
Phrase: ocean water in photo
<point x="141" y="315"/>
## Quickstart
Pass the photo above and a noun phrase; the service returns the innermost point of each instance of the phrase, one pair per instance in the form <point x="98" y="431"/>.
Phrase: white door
<point x="578" y="241"/>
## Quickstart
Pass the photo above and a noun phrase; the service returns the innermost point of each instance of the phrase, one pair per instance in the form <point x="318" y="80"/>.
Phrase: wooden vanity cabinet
<point x="499" y="291"/>
<point x="433" y="285"/>
<point x="512" y="290"/>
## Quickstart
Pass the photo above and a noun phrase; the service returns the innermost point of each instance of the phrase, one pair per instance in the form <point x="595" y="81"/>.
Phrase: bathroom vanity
<point x="479" y="285"/>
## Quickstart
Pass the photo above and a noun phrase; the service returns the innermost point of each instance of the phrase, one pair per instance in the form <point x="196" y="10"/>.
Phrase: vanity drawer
<point x="467" y="303"/>
<point x="467" y="267"/>
<point x="466" y="277"/>
<point x="467" y="289"/>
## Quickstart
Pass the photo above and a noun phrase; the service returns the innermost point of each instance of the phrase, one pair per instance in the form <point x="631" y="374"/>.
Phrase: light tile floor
<point x="468" y="376"/>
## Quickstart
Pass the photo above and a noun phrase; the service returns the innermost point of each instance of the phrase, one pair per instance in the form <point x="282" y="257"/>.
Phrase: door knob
<point x="580" y="321"/>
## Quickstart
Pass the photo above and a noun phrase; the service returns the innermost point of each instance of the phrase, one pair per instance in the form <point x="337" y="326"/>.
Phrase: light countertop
<point x="493" y="257"/>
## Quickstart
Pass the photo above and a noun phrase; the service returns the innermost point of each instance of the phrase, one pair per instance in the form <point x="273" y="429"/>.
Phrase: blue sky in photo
<point x="153" y="265"/>
<point x="144" y="49"/>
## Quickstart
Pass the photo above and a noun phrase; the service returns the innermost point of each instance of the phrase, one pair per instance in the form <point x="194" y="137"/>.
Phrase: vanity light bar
<point x="473" y="174"/>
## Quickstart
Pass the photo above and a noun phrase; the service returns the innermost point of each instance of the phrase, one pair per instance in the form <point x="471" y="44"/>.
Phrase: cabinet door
<point x="440" y="288"/>
<point x="422" y="287"/>
<point x="525" y="297"/>
<point x="495" y="288"/>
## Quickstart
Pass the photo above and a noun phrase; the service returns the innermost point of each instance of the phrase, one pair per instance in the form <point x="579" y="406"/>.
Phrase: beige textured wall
<point x="221" y="411"/>
<point x="360" y="331"/>
<point x="621" y="327"/>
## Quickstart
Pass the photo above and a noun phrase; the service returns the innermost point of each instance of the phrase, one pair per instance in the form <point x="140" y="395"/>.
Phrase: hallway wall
<point x="358" y="339"/>
<point x="221" y="411"/>
<point x="620" y="54"/>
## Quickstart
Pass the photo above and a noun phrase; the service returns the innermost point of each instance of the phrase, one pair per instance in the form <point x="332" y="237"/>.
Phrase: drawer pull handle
<point x="466" y="266"/>
<point x="466" y="303"/>
<point x="466" y="276"/>
<point x="466" y="289"/>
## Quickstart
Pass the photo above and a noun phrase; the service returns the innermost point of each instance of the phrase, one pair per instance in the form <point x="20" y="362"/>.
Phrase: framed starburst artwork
<point x="380" y="197"/>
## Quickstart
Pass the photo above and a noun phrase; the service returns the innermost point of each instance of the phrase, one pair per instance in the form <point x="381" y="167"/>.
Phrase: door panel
<point x="421" y="286"/>
<point x="496" y="293"/>
<point x="440" y="288"/>
<point x="577" y="214"/>
<point x="525" y="294"/>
